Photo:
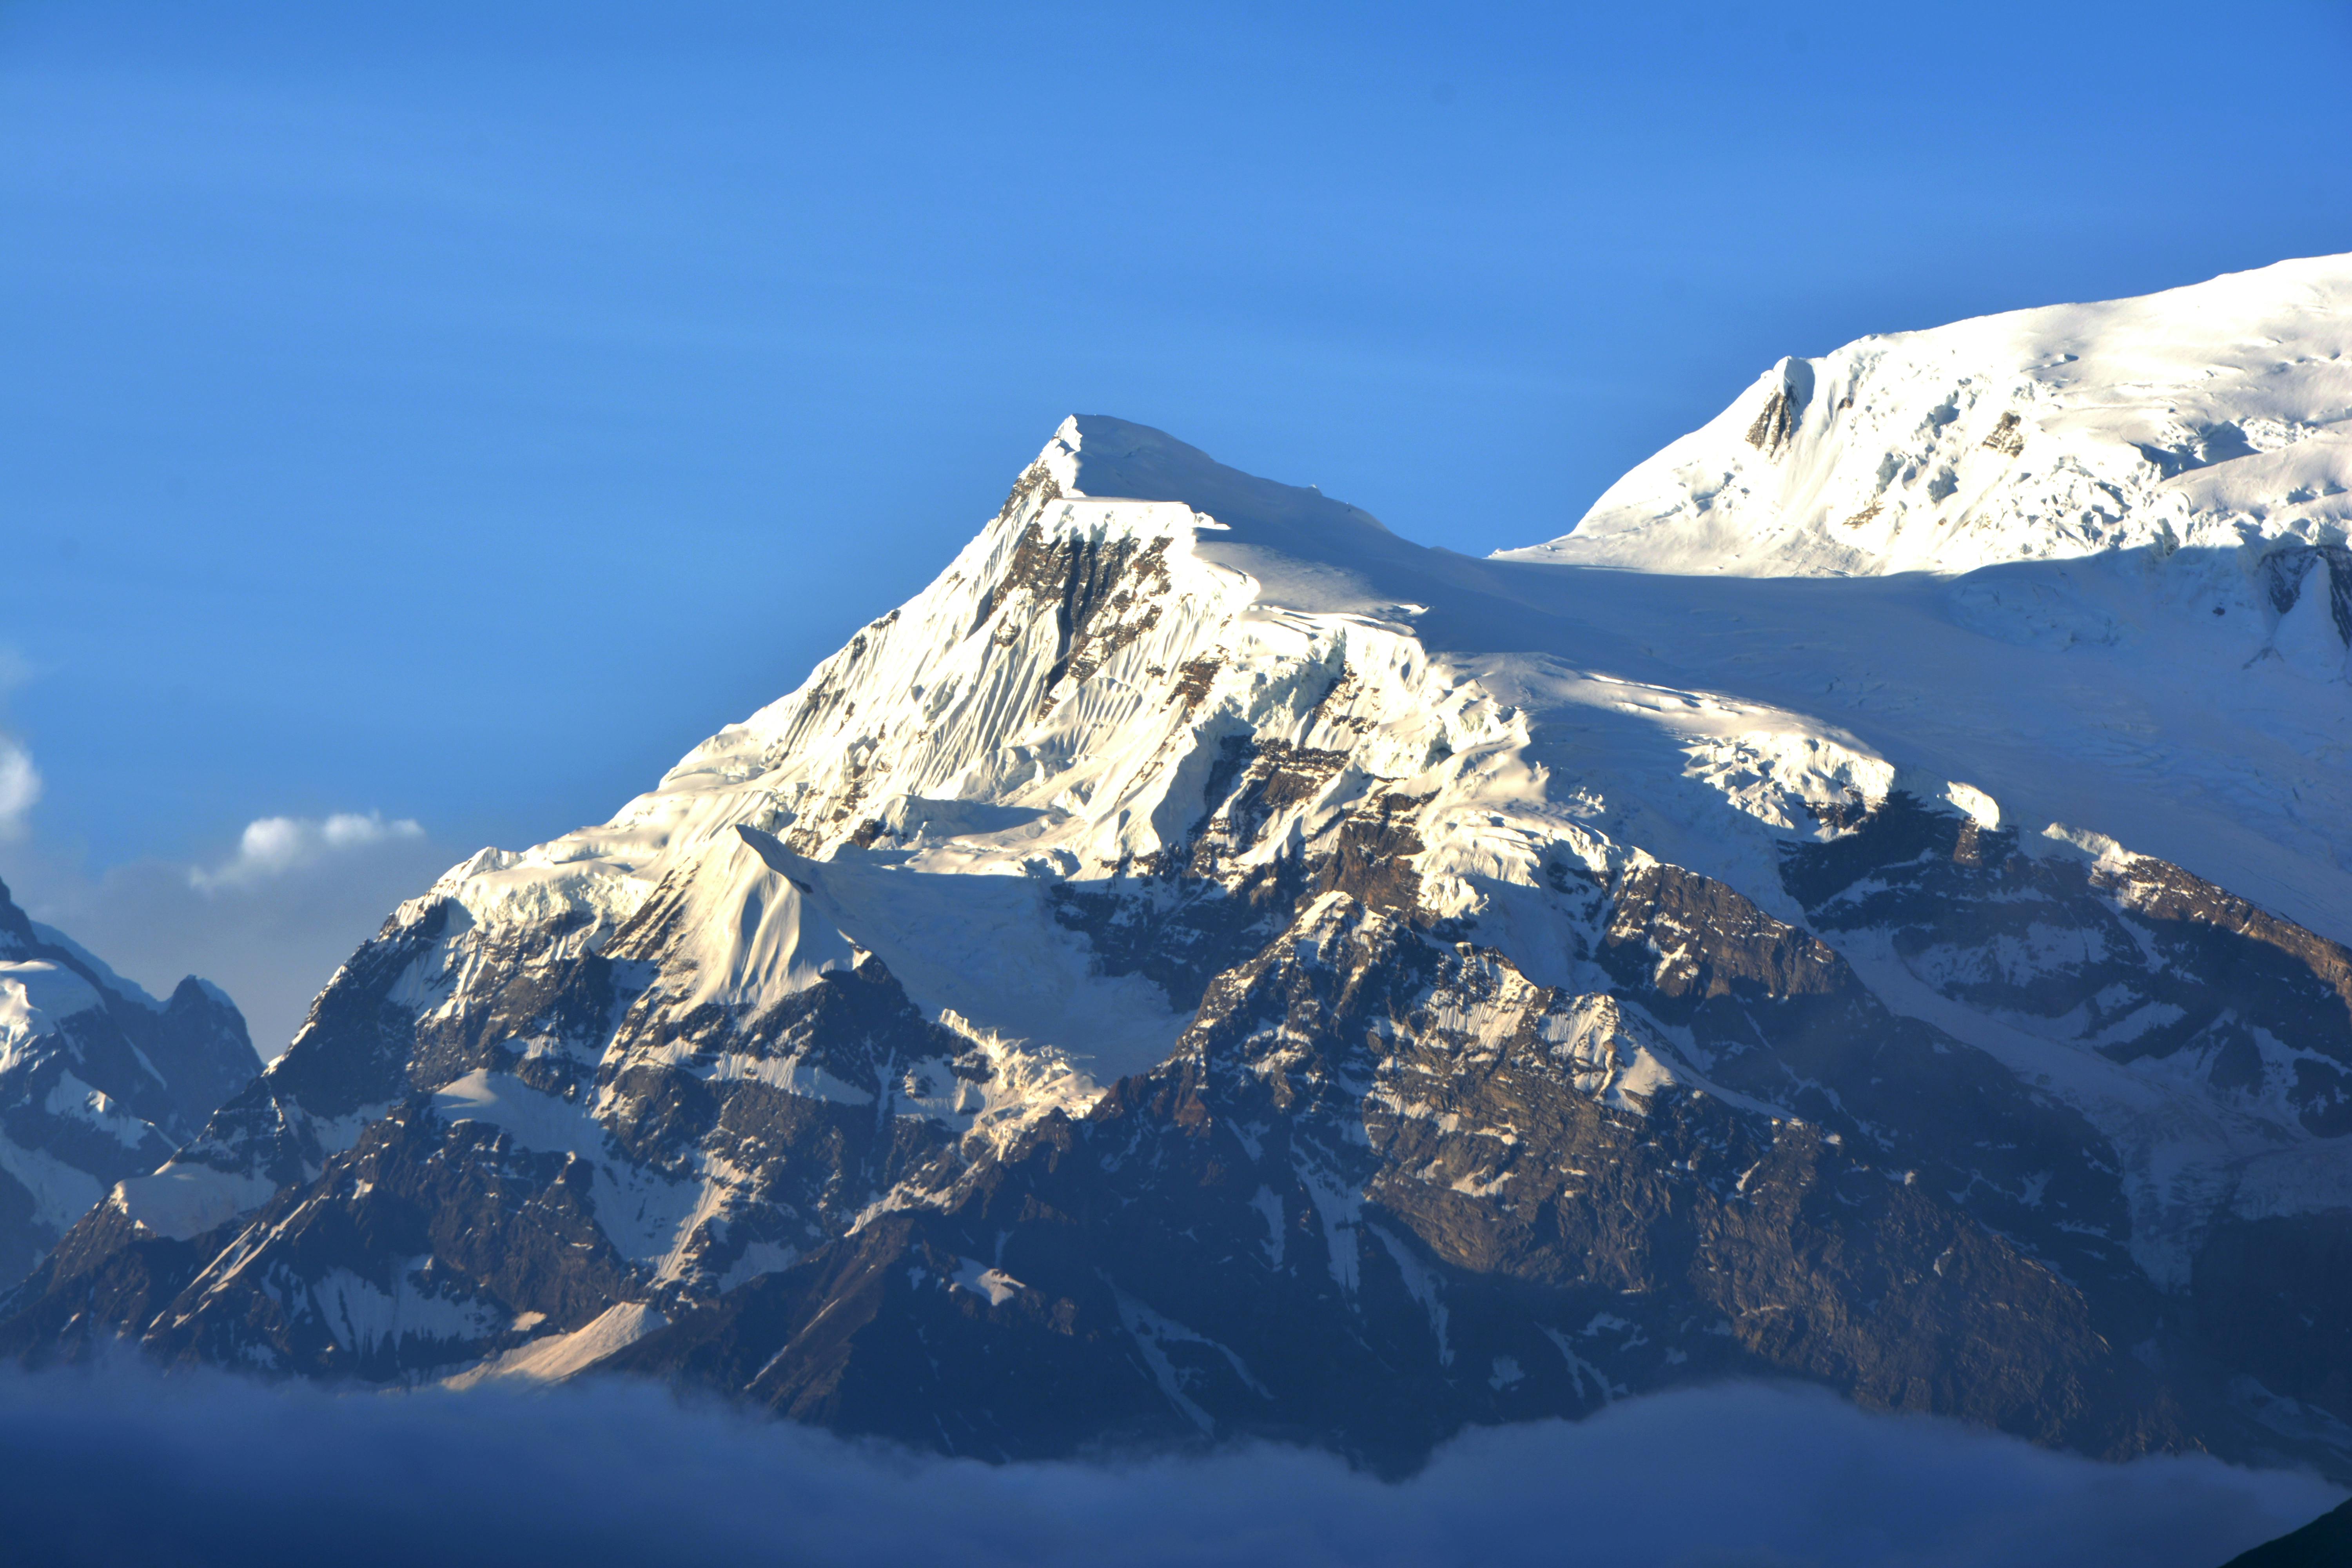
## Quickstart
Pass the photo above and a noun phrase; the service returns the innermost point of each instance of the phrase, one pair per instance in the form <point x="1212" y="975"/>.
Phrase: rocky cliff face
<point x="97" y="1080"/>
<point x="1207" y="966"/>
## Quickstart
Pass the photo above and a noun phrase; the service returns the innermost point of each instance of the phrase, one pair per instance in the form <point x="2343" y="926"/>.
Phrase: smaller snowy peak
<point x="28" y="944"/>
<point x="99" y="1080"/>
<point x="2215" y="415"/>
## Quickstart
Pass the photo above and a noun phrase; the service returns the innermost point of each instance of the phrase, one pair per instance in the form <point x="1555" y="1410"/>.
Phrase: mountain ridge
<point x="1206" y="966"/>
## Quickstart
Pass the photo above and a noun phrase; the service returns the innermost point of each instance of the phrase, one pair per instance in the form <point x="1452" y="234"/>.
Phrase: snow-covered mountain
<point x="99" y="1080"/>
<point x="2207" y="417"/>
<point x="1207" y="965"/>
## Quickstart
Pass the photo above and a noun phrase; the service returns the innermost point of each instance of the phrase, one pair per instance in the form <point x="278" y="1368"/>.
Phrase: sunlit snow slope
<point x="1206" y="964"/>
<point x="2213" y="415"/>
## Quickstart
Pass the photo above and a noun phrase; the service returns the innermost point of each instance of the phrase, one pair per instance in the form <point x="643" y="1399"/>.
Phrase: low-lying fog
<point x="120" y="1466"/>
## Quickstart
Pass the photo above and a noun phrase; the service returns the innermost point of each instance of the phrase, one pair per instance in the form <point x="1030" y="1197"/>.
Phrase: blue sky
<point x="454" y="413"/>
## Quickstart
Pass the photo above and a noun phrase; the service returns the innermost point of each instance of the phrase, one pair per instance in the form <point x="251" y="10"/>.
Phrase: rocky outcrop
<point x="2121" y="954"/>
<point x="1387" y="1186"/>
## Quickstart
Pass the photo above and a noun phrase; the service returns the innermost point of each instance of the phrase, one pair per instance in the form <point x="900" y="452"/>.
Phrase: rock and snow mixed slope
<point x="1208" y="965"/>
<point x="98" y="1080"/>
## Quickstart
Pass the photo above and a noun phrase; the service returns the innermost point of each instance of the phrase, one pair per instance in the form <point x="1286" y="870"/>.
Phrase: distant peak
<point x="2212" y="415"/>
<point x="14" y="922"/>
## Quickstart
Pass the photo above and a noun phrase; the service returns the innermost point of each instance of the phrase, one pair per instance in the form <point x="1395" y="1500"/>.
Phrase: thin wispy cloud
<point x="272" y="847"/>
<point x="20" y="780"/>
<point x="20" y="787"/>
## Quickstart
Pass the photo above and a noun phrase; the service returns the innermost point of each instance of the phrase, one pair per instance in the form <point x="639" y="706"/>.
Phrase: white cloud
<point x="271" y="846"/>
<point x="270" y="940"/>
<point x="20" y="786"/>
<point x="20" y="782"/>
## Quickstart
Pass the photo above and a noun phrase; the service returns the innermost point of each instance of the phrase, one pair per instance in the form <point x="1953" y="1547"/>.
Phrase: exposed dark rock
<point x="1092" y="587"/>
<point x="1775" y="423"/>
<point x="103" y="1281"/>
<point x="2137" y="960"/>
<point x="1312" y="1220"/>
<point x="1194" y="679"/>
<point x="2288" y="570"/>
<point x="1372" y="855"/>
<point x="2274" y="1296"/>
<point x="2325" y="1542"/>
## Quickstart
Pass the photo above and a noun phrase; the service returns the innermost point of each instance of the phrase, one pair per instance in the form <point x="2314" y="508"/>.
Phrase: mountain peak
<point x="1156" y="976"/>
<point x="1096" y="456"/>
<point x="99" y="1080"/>
<point x="2217" y="415"/>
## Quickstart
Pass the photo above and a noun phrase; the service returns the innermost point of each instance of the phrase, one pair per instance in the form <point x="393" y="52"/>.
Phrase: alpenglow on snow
<point x="1866" y="905"/>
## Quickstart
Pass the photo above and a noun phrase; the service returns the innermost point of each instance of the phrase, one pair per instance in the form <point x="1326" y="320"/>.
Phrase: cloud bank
<point x="120" y="1466"/>
<point x="271" y="846"/>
